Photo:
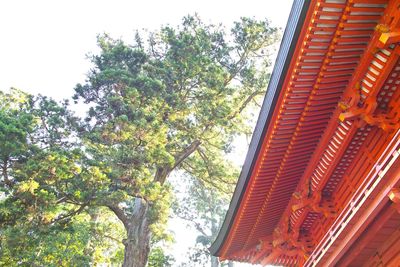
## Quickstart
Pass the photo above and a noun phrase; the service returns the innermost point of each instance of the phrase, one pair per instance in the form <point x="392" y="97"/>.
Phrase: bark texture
<point x="137" y="243"/>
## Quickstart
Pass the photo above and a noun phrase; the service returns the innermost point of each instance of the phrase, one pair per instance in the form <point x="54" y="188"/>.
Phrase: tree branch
<point x="69" y="215"/>
<point x="163" y="171"/>
<point x="120" y="214"/>
<point x="244" y="104"/>
<point x="113" y="238"/>
<point x="5" y="173"/>
<point x="196" y="224"/>
<point x="204" y="180"/>
<point x="186" y="153"/>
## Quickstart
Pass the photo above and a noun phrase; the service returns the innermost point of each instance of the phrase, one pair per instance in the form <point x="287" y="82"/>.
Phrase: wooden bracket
<point x="388" y="38"/>
<point x="394" y="196"/>
<point x="366" y="115"/>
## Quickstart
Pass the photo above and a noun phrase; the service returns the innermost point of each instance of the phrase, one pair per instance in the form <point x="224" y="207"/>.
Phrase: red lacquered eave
<point x="336" y="119"/>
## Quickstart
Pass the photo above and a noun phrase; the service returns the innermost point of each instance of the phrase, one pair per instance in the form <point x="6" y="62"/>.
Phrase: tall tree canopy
<point x="171" y="101"/>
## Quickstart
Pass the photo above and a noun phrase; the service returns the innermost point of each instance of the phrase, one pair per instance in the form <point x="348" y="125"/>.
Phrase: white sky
<point x="44" y="42"/>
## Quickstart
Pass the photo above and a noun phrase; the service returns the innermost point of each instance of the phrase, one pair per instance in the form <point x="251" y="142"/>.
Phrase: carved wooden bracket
<point x="394" y="196"/>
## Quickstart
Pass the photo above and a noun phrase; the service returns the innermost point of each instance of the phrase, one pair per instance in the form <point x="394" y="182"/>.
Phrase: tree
<point x="174" y="102"/>
<point x="42" y="219"/>
<point x="204" y="208"/>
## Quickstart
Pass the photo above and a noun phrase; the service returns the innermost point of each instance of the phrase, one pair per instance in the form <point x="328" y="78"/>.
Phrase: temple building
<point x="320" y="185"/>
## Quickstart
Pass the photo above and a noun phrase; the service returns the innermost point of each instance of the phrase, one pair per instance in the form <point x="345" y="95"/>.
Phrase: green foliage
<point x="171" y="103"/>
<point x="40" y="160"/>
<point x="174" y="102"/>
<point x="158" y="258"/>
<point x="203" y="208"/>
<point x="45" y="185"/>
<point x="81" y="242"/>
<point x="50" y="246"/>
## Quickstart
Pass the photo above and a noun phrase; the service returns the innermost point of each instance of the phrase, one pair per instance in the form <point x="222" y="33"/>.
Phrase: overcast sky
<point x="44" y="42"/>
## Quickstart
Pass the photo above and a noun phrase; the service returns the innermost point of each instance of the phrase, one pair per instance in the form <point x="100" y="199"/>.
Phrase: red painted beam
<point x="387" y="168"/>
<point x="368" y="235"/>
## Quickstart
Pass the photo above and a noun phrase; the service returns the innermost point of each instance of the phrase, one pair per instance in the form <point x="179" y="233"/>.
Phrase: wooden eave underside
<point x="334" y="129"/>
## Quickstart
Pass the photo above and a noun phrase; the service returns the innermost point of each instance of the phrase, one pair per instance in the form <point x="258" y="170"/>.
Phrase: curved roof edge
<point x="286" y="50"/>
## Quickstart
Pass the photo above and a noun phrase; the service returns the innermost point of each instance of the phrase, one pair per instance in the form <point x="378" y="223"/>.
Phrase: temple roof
<point x="330" y="111"/>
<point x="286" y="50"/>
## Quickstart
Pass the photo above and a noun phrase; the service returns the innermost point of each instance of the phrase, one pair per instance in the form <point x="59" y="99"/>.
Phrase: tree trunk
<point x="137" y="243"/>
